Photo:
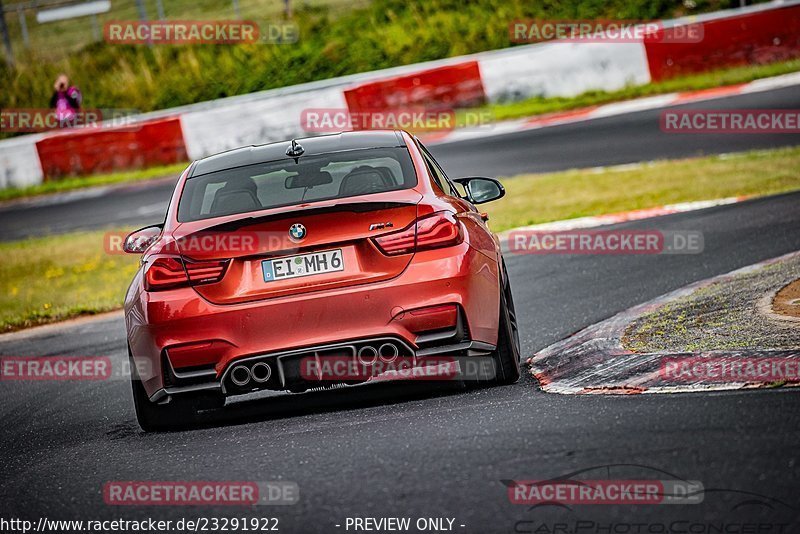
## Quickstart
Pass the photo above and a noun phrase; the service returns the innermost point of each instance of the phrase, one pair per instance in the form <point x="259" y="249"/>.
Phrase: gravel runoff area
<point x="753" y="310"/>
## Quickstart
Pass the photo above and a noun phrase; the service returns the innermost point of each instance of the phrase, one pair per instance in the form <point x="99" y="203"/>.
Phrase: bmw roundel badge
<point x="297" y="231"/>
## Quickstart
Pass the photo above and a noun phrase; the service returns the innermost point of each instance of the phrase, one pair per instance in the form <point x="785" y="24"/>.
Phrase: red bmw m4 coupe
<point x="350" y="246"/>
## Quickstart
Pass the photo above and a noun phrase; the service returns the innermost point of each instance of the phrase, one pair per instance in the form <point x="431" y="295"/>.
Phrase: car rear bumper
<point x="177" y="332"/>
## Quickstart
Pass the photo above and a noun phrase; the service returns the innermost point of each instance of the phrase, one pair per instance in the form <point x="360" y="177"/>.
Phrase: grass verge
<point x="335" y="38"/>
<point x="70" y="184"/>
<point x="54" y="278"/>
<point x="50" y="279"/>
<point x="539" y="198"/>
<point x="724" y="315"/>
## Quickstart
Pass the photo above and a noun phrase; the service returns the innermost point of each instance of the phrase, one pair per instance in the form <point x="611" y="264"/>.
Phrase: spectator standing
<point x="66" y="100"/>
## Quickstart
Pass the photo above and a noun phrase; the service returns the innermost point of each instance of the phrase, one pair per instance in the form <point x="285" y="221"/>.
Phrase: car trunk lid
<point x="263" y="260"/>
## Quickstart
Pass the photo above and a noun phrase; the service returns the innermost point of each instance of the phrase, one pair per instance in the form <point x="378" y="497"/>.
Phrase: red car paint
<point x="241" y="316"/>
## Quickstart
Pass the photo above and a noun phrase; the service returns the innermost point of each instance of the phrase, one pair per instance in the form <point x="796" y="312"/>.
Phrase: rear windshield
<point x="284" y="182"/>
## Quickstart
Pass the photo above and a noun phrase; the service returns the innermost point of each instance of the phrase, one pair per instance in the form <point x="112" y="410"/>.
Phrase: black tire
<point x="179" y="413"/>
<point x="507" y="355"/>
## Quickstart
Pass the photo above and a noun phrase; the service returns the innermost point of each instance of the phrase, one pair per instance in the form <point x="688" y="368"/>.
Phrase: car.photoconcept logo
<point x="297" y="231"/>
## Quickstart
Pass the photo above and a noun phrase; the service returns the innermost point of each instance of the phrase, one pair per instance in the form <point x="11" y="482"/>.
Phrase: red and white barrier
<point x="562" y="69"/>
<point x="19" y="162"/>
<point x="756" y="34"/>
<point x="103" y="150"/>
<point x="266" y="120"/>
<point x="760" y="34"/>
<point x="449" y="86"/>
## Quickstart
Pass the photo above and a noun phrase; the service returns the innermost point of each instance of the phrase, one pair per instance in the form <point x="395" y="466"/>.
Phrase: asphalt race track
<point x="406" y="450"/>
<point x="628" y="138"/>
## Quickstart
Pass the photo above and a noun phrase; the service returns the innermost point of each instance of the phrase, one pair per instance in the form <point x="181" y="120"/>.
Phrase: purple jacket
<point x="66" y="103"/>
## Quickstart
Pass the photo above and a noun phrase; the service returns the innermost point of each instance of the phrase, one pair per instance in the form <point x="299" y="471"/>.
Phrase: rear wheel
<point x="506" y="356"/>
<point x="180" y="412"/>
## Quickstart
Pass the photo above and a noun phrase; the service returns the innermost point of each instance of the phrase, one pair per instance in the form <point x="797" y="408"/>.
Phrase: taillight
<point x="438" y="230"/>
<point x="433" y="231"/>
<point x="205" y="272"/>
<point x="165" y="273"/>
<point x="401" y="242"/>
<point x="170" y="272"/>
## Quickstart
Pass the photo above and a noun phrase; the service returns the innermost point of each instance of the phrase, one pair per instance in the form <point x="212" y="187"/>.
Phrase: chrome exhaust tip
<point x="367" y="355"/>
<point x="388" y="352"/>
<point x="240" y="375"/>
<point x="260" y="372"/>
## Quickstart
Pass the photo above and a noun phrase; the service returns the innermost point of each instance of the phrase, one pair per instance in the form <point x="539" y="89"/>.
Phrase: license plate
<point x="303" y="265"/>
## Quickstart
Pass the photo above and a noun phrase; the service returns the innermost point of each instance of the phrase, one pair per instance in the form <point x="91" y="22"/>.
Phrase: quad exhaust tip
<point x="241" y="375"/>
<point x="260" y="372"/>
<point x="388" y="352"/>
<point x="367" y="354"/>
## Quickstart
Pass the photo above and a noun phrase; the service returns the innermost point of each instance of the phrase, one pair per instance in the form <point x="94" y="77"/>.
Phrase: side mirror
<point x="140" y="240"/>
<point x="480" y="189"/>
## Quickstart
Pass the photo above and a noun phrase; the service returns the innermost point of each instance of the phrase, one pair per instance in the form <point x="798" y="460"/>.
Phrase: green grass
<point x="69" y="184"/>
<point x="335" y="39"/>
<point x="49" y="279"/>
<point x="539" y="198"/>
<point x="708" y="80"/>
<point x="724" y="315"/>
<point x="72" y="35"/>
<point x="54" y="278"/>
